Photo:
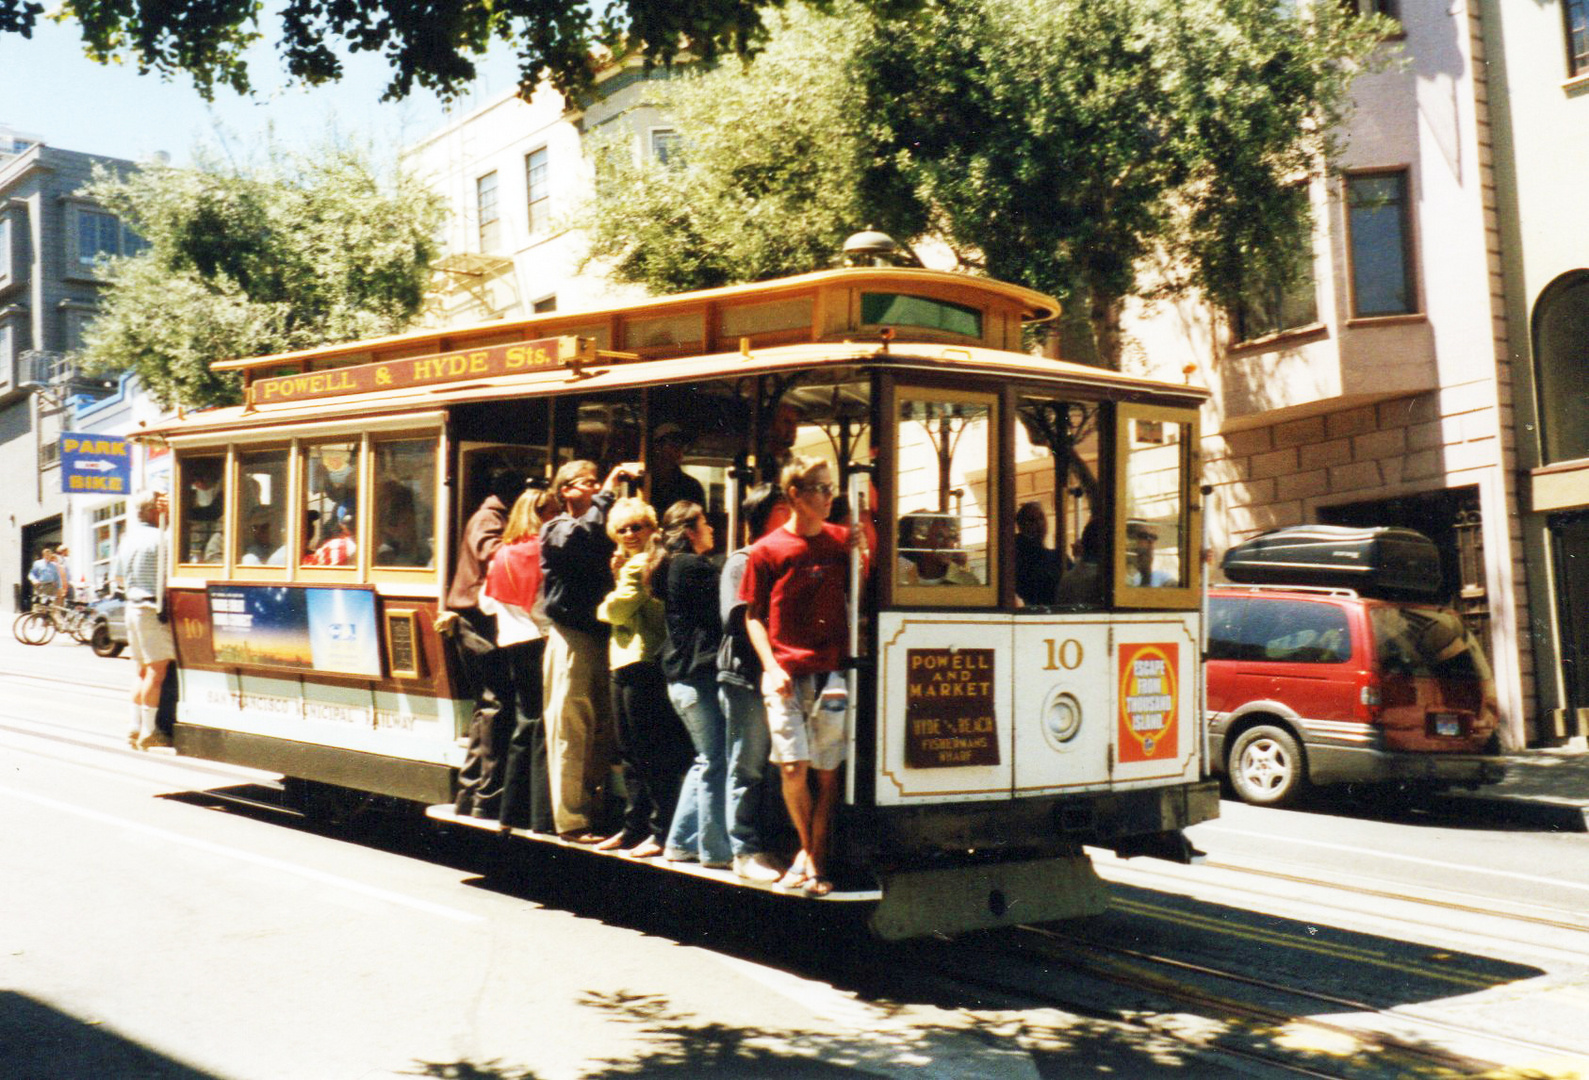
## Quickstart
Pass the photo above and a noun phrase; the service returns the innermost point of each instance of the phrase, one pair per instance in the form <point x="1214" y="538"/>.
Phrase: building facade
<point x="1538" y="62"/>
<point x="50" y="237"/>
<point x="515" y="173"/>
<point x="1384" y="388"/>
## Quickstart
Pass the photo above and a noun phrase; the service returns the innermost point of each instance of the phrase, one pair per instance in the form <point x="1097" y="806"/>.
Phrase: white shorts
<point x="800" y="730"/>
<point x="148" y="639"/>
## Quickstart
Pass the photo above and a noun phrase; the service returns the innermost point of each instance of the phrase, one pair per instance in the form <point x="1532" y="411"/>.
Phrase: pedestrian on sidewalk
<point x="140" y="571"/>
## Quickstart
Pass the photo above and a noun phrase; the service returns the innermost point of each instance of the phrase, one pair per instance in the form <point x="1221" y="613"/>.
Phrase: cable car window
<point x="203" y="510"/>
<point x="331" y="488"/>
<point x="1156" y="547"/>
<point x="405" y="503"/>
<point x="944" y="500"/>
<point x="262" y="508"/>
<point x="1157" y="523"/>
<point x="1059" y="516"/>
<point x="895" y="309"/>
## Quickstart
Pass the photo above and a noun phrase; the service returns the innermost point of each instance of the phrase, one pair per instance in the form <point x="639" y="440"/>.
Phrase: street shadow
<point x="1409" y="806"/>
<point x="1355" y="970"/>
<point x="37" y="1040"/>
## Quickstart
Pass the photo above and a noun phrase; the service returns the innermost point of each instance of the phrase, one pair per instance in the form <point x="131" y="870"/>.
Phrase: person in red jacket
<point x="794" y="589"/>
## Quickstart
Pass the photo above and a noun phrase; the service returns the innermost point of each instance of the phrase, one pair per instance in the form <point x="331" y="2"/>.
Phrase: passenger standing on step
<point x="140" y="571"/>
<point x="575" y="576"/>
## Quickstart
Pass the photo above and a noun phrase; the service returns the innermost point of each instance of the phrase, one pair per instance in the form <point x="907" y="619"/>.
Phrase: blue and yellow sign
<point x="95" y="464"/>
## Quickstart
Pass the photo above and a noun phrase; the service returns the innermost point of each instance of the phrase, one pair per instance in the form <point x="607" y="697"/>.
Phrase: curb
<point x="1541" y="812"/>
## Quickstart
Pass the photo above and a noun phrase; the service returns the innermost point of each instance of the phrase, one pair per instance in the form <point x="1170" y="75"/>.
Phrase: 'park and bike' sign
<point x="95" y="464"/>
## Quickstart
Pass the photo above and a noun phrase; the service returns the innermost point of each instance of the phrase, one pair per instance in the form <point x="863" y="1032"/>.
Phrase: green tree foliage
<point x="1062" y="144"/>
<point x="431" y="44"/>
<point x="770" y="178"/>
<point x="309" y="249"/>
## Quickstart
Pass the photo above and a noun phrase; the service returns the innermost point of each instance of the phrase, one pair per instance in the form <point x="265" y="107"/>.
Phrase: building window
<point x="490" y="218"/>
<point x="1391" y="9"/>
<point x="97" y="234"/>
<point x="664" y="146"/>
<point x="538" y="188"/>
<point x="5" y="248"/>
<point x="50" y="454"/>
<point x="1270" y="307"/>
<point x="1577" y="13"/>
<point x="132" y="243"/>
<point x="1380" y="234"/>
<point x="77" y="320"/>
<point x="1561" y="357"/>
<point x="545" y="305"/>
<point x="109" y="523"/>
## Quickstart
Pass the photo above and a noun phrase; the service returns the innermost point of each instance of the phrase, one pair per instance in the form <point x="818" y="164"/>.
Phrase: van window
<point x="1279" y="631"/>
<point x="1426" y="643"/>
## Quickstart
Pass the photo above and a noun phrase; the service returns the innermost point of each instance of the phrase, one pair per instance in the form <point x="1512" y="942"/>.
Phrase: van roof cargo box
<point x="1389" y="562"/>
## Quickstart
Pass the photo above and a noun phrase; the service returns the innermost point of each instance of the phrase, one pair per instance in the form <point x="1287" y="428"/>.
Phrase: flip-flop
<point x="817" y="886"/>
<point x="795" y="879"/>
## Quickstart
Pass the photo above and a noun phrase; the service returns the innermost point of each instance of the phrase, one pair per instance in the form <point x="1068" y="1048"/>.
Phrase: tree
<point x="769" y="179"/>
<point x="1061" y="145"/>
<point x="311" y="249"/>
<point x="427" y="43"/>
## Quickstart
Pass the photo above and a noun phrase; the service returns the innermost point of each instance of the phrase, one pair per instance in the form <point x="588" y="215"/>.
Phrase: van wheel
<point x="1266" y="767"/>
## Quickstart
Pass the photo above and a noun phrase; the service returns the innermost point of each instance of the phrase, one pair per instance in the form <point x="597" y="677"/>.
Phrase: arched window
<point x="1561" y="360"/>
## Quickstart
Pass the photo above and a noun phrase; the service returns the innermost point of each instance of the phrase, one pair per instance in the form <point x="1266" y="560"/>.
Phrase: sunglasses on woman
<point x="626" y="530"/>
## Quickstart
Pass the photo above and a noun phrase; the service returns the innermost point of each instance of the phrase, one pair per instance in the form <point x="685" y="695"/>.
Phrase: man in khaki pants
<point x="576" y="573"/>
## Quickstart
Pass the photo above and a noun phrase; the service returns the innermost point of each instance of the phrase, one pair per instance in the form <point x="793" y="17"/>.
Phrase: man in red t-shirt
<point x="794" y="592"/>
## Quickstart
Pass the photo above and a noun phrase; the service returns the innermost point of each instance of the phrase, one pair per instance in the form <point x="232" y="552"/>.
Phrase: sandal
<point x="795" y="878"/>
<point x="817" y="886"/>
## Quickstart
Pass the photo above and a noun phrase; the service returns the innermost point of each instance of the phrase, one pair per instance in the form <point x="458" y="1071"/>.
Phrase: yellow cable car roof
<point x="605" y="375"/>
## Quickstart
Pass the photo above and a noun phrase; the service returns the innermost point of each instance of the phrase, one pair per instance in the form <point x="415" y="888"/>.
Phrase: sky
<point x="50" y="90"/>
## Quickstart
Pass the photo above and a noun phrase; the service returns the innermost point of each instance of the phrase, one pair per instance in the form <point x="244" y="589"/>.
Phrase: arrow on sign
<point x="97" y="466"/>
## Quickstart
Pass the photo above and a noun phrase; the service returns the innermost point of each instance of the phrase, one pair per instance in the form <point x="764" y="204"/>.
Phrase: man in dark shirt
<point x="488" y="678"/>
<point x="576" y="573"/>
<point x="1036" y="565"/>
<point x="669" y="482"/>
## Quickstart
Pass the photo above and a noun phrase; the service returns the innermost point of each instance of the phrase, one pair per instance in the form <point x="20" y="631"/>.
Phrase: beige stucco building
<point x="1395" y="387"/>
<point x="515" y="172"/>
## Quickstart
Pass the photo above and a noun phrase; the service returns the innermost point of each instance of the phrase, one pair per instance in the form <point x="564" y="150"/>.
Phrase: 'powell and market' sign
<point x="525" y="356"/>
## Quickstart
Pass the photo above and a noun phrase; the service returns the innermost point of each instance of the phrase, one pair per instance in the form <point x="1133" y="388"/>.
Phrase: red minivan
<point x="1319" y="686"/>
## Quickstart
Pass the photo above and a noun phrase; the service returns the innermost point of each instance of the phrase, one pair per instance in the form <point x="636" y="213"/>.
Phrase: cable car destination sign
<point x="516" y="359"/>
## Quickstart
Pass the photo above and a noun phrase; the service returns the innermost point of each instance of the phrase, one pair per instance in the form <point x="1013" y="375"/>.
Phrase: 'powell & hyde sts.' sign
<point x="518" y="358"/>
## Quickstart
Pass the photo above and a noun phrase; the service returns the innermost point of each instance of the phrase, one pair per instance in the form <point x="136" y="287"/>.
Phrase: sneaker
<point x="679" y="855"/>
<point x="760" y="868"/>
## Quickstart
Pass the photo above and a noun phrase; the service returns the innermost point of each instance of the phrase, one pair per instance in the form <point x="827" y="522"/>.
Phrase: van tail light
<point x="1368" y="699"/>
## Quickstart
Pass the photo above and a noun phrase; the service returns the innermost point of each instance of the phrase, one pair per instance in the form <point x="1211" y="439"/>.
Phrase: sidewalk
<point x="1545" y="788"/>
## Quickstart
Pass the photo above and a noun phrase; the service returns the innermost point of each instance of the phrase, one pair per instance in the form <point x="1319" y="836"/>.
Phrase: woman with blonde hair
<point x="652" y="742"/>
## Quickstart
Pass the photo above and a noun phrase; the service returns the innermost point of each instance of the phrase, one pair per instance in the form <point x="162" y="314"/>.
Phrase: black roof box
<point x="1388" y="562"/>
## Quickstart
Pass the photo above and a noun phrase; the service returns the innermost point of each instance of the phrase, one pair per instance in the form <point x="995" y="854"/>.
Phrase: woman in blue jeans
<point x="688" y="583"/>
<point x="752" y="817"/>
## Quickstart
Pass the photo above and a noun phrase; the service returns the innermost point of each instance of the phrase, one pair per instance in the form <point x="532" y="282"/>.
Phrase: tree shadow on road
<point x="39" y="1040"/>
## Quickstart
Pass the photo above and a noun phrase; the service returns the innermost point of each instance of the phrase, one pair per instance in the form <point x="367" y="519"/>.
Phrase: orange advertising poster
<point x="1150" y="689"/>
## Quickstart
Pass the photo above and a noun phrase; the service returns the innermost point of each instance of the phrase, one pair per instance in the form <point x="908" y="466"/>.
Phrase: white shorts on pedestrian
<point x="148" y="639"/>
<point x="800" y="730"/>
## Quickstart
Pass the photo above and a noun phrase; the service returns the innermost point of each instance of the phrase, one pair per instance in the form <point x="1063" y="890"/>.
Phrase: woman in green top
<point x="652" y="740"/>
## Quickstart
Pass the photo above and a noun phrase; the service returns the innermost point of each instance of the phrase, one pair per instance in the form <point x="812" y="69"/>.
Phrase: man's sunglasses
<point x="625" y="530"/>
<point x="820" y="489"/>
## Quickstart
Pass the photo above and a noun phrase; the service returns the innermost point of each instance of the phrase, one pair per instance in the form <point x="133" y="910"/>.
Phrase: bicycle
<point x="40" y="624"/>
